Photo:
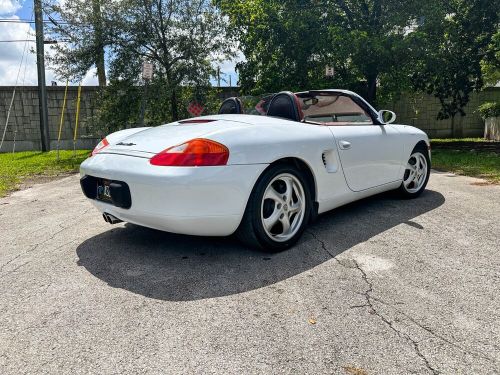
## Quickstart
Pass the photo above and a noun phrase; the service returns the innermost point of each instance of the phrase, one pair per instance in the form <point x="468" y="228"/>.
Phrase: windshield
<point x="332" y="109"/>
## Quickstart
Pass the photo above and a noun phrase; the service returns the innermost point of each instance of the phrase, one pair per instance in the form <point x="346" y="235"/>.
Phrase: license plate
<point x="103" y="192"/>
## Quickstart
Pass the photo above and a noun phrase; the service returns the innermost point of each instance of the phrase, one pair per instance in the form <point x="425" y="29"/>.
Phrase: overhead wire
<point x="15" y="86"/>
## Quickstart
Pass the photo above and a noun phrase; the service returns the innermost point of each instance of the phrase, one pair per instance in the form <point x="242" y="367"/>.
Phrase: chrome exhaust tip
<point x="111" y="219"/>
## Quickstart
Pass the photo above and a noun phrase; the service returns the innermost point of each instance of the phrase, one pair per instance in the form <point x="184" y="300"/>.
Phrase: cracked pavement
<point x="381" y="286"/>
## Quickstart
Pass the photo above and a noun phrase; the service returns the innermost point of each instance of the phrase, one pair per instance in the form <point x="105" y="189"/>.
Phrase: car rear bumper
<point x="187" y="200"/>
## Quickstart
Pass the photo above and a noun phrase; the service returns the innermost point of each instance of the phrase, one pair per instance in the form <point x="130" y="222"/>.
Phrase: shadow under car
<point x="175" y="267"/>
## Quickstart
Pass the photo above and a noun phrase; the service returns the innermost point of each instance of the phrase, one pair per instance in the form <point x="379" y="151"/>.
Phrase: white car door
<point x="370" y="155"/>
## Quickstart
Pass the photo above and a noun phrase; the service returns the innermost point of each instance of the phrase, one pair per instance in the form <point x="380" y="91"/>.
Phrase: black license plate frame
<point x="103" y="190"/>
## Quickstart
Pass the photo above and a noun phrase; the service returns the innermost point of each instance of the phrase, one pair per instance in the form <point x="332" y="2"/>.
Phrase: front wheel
<point x="417" y="171"/>
<point x="278" y="210"/>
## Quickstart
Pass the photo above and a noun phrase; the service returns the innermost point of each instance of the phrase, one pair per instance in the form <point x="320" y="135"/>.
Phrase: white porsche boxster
<point x="263" y="177"/>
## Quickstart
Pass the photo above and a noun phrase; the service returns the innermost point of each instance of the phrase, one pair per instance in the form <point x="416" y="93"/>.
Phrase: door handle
<point x="344" y="145"/>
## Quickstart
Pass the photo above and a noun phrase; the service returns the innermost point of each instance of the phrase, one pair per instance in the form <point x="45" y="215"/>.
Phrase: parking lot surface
<point x="381" y="286"/>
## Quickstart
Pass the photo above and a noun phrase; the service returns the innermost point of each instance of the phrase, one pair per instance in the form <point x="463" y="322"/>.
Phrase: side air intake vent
<point x="330" y="161"/>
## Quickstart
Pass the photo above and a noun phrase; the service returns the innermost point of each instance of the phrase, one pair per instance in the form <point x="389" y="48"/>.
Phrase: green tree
<point x="277" y="40"/>
<point x="181" y="38"/>
<point x="490" y="66"/>
<point x="374" y="37"/>
<point x="452" y="48"/>
<point x="287" y="44"/>
<point x="118" y="105"/>
<point x="79" y="27"/>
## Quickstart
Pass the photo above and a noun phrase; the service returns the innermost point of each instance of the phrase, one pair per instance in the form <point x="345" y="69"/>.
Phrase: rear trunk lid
<point x="154" y="140"/>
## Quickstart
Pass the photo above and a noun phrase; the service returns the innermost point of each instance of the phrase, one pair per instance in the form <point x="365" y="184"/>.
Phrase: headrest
<point x="231" y="106"/>
<point x="284" y="105"/>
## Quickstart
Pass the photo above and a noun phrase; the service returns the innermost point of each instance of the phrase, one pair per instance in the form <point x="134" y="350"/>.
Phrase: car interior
<point x="332" y="109"/>
<point x="315" y="107"/>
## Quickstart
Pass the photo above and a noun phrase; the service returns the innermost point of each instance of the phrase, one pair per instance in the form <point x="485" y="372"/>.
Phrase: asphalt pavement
<point x="381" y="286"/>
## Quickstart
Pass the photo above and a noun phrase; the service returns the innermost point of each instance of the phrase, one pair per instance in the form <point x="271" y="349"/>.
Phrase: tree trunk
<point x="371" y="92"/>
<point x="492" y="128"/>
<point x="173" y="104"/>
<point x="99" y="45"/>
<point x="457" y="128"/>
<point x="101" y="69"/>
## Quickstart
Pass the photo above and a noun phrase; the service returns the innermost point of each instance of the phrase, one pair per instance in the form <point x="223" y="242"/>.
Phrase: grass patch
<point x="449" y="140"/>
<point x="480" y="164"/>
<point x="15" y="168"/>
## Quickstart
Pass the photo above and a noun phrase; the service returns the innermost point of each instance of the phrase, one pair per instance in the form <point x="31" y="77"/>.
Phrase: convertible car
<point x="264" y="176"/>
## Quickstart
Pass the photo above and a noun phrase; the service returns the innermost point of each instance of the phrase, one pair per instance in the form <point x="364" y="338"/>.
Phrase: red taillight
<point x="194" y="153"/>
<point x="100" y="146"/>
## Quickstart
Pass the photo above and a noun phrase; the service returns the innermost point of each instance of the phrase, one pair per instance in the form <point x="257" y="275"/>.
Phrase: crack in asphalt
<point x="388" y="322"/>
<point x="34" y="247"/>
<point x="373" y="310"/>
<point x="437" y="335"/>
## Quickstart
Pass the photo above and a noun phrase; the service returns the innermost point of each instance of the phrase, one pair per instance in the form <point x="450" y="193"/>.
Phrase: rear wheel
<point x="278" y="210"/>
<point x="417" y="173"/>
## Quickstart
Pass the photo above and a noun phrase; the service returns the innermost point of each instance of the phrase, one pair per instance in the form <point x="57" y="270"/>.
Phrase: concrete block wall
<point x="421" y="111"/>
<point x="417" y="110"/>
<point x="24" y="117"/>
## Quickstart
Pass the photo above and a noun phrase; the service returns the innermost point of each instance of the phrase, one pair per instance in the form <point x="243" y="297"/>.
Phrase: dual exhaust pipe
<point x="108" y="218"/>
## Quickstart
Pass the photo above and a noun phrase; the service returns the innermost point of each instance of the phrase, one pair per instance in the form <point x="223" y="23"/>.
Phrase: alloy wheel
<point x="415" y="173"/>
<point x="283" y="207"/>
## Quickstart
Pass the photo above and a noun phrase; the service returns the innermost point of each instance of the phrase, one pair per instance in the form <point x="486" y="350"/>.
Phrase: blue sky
<point x="11" y="54"/>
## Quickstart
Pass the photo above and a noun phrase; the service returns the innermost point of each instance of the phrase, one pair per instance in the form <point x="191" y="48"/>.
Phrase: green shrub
<point x="489" y="109"/>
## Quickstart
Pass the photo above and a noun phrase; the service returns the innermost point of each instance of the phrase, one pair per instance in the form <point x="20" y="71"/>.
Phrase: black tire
<point x="251" y="230"/>
<point x="407" y="192"/>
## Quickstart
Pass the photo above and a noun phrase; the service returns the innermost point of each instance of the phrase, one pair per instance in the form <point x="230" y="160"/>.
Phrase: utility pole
<point x="218" y="76"/>
<point x="42" y="90"/>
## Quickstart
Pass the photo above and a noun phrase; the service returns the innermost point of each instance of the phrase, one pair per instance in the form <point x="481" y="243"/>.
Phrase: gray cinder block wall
<point x="24" y="117"/>
<point x="421" y="111"/>
<point x="416" y="110"/>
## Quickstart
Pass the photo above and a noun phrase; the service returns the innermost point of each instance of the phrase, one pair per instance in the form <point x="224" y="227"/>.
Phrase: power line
<point x="15" y="87"/>
<point x="17" y="41"/>
<point x="31" y="23"/>
<point x="13" y="20"/>
<point x="33" y="40"/>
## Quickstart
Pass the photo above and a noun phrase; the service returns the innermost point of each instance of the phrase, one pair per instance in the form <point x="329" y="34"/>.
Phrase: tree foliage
<point x="455" y="44"/>
<point x="118" y="106"/>
<point x="81" y="37"/>
<point x="490" y="65"/>
<point x="378" y="48"/>
<point x="181" y="38"/>
<point x="278" y="41"/>
<point x="287" y="44"/>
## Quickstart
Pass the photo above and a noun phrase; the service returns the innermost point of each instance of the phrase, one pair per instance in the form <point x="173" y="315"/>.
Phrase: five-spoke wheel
<point x="283" y="207"/>
<point x="278" y="210"/>
<point x="416" y="172"/>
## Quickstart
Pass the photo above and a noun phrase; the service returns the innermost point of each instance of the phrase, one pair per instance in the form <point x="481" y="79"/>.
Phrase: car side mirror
<point x="386" y="116"/>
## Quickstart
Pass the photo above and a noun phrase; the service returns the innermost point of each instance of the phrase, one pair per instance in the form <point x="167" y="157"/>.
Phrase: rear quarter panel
<point x="267" y="143"/>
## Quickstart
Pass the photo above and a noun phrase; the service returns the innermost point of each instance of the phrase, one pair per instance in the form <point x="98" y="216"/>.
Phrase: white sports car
<point x="263" y="177"/>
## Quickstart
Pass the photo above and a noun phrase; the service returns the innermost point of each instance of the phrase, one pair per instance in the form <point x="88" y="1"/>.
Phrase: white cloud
<point x="11" y="54"/>
<point x="90" y="78"/>
<point x="8" y="7"/>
